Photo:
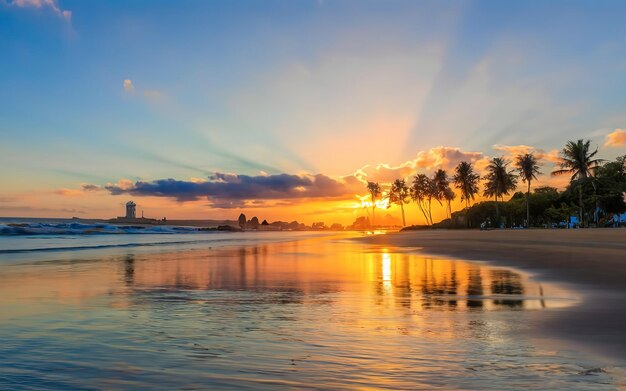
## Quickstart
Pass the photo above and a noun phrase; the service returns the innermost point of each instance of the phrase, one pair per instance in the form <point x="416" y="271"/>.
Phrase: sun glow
<point x="366" y="202"/>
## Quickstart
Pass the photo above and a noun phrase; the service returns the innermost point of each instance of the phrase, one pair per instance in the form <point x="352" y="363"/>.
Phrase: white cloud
<point x="152" y="96"/>
<point x="41" y="4"/>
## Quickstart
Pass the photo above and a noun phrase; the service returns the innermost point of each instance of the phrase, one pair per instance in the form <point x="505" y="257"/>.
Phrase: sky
<point x="285" y="109"/>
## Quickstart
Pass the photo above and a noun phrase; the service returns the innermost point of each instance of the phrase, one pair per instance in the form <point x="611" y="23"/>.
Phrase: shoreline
<point x="590" y="262"/>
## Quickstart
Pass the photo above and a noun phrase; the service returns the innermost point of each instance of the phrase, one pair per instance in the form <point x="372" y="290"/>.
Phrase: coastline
<point x="591" y="262"/>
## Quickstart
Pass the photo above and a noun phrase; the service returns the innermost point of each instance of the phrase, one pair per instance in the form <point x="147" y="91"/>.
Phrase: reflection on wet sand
<point x="406" y="279"/>
<point x="325" y="312"/>
<point x="295" y="270"/>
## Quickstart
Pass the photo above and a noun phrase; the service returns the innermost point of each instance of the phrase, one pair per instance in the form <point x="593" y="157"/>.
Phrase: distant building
<point x="131" y="210"/>
<point x="131" y="216"/>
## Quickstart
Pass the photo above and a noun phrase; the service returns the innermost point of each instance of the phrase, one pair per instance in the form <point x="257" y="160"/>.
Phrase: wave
<point x="114" y="245"/>
<point x="31" y="228"/>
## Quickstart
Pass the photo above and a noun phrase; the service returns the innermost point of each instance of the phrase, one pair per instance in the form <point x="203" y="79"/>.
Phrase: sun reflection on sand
<point x="331" y="308"/>
<point x="386" y="268"/>
<point x="311" y="268"/>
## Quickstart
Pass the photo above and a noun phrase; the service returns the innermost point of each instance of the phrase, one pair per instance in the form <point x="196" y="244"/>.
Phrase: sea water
<point x="271" y="310"/>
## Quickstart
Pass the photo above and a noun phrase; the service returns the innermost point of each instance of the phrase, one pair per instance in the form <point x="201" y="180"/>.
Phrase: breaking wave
<point x="31" y="228"/>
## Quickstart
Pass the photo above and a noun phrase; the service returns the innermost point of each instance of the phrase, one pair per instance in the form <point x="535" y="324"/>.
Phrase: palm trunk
<point x="402" y="209"/>
<point x="497" y="212"/>
<point x="595" y="197"/>
<point x="421" y="207"/>
<point x="528" y="206"/>
<point x="430" y="215"/>
<point x="580" y="200"/>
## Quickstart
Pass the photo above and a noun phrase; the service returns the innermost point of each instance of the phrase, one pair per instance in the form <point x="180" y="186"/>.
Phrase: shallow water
<point x="319" y="312"/>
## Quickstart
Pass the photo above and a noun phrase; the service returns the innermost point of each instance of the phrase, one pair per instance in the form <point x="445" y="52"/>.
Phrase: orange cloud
<point x="128" y="85"/>
<point x="616" y="138"/>
<point x="70" y="192"/>
<point x="511" y="151"/>
<point x="438" y="157"/>
<point x="304" y="196"/>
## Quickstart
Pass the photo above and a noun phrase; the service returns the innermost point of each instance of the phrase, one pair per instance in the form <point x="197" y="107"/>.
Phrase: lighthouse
<point x="130" y="210"/>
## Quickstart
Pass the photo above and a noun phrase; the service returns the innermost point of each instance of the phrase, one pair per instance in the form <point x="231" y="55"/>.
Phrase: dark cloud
<point x="224" y="189"/>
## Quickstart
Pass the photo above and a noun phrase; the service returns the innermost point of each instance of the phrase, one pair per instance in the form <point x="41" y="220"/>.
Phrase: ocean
<point x="90" y="306"/>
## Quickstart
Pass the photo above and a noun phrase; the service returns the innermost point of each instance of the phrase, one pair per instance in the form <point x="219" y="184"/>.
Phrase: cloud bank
<point x="234" y="187"/>
<point x="227" y="191"/>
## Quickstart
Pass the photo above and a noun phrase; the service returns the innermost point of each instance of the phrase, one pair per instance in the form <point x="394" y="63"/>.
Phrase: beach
<point x="281" y="310"/>
<point x="589" y="261"/>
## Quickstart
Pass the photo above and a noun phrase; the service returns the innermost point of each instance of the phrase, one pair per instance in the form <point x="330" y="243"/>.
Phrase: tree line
<point x="595" y="190"/>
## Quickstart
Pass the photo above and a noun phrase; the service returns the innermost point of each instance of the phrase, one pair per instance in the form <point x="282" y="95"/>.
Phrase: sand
<point x="590" y="262"/>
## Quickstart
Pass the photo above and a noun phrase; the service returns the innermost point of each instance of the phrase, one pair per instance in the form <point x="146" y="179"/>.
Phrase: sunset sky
<point x="284" y="109"/>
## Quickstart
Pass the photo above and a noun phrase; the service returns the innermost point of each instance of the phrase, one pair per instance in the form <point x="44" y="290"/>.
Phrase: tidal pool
<point x="317" y="313"/>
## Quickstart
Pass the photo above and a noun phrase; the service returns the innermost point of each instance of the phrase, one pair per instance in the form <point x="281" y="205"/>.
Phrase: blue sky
<point x="270" y="87"/>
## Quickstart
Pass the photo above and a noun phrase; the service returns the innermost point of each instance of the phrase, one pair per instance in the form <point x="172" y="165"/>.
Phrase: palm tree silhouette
<point x="449" y="196"/>
<point x="374" y="189"/>
<point x="528" y="168"/>
<point x="399" y="194"/>
<point x="499" y="181"/>
<point x="466" y="180"/>
<point x="420" y="192"/>
<point x="443" y="190"/>
<point x="577" y="161"/>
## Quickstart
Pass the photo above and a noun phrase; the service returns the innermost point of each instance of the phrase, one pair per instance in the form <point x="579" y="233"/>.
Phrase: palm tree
<point x="449" y="196"/>
<point x="420" y="191"/>
<point x="399" y="194"/>
<point x="528" y="168"/>
<point x="374" y="189"/>
<point x="432" y="191"/>
<point x="577" y="161"/>
<point x="499" y="181"/>
<point x="466" y="180"/>
<point x="443" y="190"/>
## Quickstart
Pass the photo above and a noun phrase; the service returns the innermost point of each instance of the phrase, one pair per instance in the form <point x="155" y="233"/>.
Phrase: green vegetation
<point x="595" y="192"/>
<point x="577" y="161"/>
<point x="466" y="180"/>
<point x="499" y="182"/>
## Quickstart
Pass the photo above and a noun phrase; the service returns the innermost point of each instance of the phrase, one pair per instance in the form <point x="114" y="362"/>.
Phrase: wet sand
<point x="591" y="261"/>
<point x="317" y="312"/>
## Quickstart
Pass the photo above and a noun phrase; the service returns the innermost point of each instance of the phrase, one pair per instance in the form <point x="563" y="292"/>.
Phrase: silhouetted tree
<point x="374" y="189"/>
<point x="421" y="191"/>
<point x="443" y="192"/>
<point x="577" y="161"/>
<point x="449" y="196"/>
<point x="466" y="180"/>
<point x="399" y="194"/>
<point x="528" y="168"/>
<point x="499" y="181"/>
